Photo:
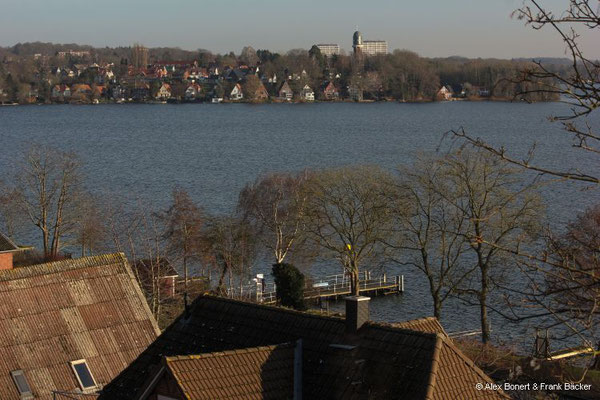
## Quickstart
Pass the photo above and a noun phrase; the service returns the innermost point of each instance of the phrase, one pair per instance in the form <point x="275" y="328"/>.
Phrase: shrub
<point x="290" y="286"/>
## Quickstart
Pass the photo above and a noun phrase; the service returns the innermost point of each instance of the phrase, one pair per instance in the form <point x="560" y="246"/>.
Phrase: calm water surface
<point x="214" y="150"/>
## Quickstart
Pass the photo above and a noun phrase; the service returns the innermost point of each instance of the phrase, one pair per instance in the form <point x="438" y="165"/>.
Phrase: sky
<point x="432" y="28"/>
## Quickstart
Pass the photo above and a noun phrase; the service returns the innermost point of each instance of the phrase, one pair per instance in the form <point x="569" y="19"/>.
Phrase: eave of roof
<point x="7" y="245"/>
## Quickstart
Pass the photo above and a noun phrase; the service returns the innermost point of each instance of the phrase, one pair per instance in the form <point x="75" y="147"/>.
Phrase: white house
<point x="192" y="92"/>
<point x="164" y="92"/>
<point x="445" y="93"/>
<point x="236" y="93"/>
<point x="307" y="93"/>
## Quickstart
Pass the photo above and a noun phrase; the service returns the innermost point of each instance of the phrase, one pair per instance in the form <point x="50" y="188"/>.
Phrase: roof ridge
<point x="61" y="266"/>
<point x="435" y="362"/>
<point x="372" y="324"/>
<point x="267" y="306"/>
<point x="390" y="327"/>
<point x="226" y="352"/>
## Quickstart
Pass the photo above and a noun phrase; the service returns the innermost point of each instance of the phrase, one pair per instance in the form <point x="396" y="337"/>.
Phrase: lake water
<point x="214" y="150"/>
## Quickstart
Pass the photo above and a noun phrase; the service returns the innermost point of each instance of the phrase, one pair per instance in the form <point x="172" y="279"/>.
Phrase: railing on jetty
<point x="327" y="287"/>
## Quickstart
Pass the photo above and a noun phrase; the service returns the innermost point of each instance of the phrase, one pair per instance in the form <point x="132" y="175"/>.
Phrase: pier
<point x="328" y="287"/>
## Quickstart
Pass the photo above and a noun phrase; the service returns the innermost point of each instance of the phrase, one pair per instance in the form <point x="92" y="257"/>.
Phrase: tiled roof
<point x="261" y="372"/>
<point x="428" y="324"/>
<point x="6" y="244"/>
<point x="378" y="362"/>
<point x="51" y="314"/>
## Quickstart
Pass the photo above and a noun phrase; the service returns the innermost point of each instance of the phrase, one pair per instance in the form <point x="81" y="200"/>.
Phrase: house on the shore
<point x="139" y="91"/>
<point x="307" y="94"/>
<point x="261" y="93"/>
<point x="193" y="92"/>
<point x="236" y="93"/>
<point x="164" y="92"/>
<point x="329" y="91"/>
<point x="69" y="327"/>
<point x="221" y="348"/>
<point x="60" y="92"/>
<point x="285" y="92"/>
<point x="81" y="91"/>
<point x="445" y="93"/>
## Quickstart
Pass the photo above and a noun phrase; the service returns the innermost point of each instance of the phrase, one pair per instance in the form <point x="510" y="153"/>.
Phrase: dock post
<point x="399" y="281"/>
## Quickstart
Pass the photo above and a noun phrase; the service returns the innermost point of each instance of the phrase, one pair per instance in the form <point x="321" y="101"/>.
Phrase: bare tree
<point x="232" y="242"/>
<point x="138" y="231"/>
<point x="11" y="215"/>
<point x="503" y="212"/>
<point x="563" y="289"/>
<point x="572" y="287"/>
<point x="49" y="186"/>
<point x="348" y="215"/>
<point x="561" y="286"/>
<point x="431" y="231"/>
<point x="275" y="204"/>
<point x="90" y="226"/>
<point x="579" y="88"/>
<point x="183" y="221"/>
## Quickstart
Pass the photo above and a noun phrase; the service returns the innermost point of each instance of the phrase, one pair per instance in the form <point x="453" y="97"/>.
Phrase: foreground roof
<point x="51" y="314"/>
<point x="377" y="362"/>
<point x="256" y="373"/>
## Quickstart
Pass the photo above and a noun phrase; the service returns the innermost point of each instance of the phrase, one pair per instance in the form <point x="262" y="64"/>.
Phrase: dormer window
<point x="22" y="384"/>
<point x="83" y="374"/>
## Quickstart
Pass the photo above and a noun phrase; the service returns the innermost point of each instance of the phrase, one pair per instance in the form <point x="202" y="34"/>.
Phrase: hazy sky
<point x="472" y="28"/>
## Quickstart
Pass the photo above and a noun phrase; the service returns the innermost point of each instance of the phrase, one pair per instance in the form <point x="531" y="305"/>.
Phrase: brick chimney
<point x="7" y="248"/>
<point x="357" y="312"/>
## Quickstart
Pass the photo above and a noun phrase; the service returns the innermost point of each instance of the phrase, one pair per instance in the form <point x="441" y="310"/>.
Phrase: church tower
<point x="357" y="42"/>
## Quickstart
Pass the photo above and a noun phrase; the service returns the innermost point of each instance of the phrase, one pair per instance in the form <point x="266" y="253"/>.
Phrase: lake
<point x="139" y="150"/>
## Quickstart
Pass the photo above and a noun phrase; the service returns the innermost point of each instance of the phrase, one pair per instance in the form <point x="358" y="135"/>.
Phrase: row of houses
<point x="192" y="91"/>
<point x="81" y="329"/>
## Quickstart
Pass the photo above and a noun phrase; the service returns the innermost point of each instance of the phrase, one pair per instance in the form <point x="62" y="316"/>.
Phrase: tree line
<point x="459" y="218"/>
<point x="401" y="75"/>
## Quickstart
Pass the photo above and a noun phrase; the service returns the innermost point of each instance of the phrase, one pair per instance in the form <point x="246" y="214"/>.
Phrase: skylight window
<point x="22" y="384"/>
<point x="83" y="374"/>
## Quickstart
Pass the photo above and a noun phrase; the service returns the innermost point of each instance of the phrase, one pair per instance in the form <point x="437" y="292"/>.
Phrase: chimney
<point x="357" y="312"/>
<point x="6" y="260"/>
<point x="7" y="248"/>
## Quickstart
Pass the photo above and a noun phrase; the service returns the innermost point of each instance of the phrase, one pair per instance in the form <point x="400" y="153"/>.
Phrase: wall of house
<point x="6" y="260"/>
<point x="166" y="388"/>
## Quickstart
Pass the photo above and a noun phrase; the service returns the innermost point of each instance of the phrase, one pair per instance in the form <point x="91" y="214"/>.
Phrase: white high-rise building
<point x="368" y="47"/>
<point x="329" y="49"/>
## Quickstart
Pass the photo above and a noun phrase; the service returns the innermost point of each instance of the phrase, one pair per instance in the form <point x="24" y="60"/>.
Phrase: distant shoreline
<point x="476" y="100"/>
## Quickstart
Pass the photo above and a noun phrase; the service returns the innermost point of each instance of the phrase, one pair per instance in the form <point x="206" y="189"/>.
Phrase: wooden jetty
<point x="329" y="287"/>
<point x="542" y="348"/>
<point x="570" y="352"/>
